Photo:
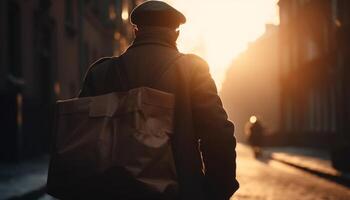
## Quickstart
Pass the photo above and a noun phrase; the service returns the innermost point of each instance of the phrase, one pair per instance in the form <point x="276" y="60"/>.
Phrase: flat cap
<point x="156" y="13"/>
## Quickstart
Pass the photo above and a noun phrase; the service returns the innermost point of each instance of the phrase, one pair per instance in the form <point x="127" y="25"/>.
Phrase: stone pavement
<point x="267" y="179"/>
<point x="24" y="180"/>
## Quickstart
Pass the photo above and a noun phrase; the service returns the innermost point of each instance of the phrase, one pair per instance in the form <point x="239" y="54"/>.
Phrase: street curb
<point x="342" y="179"/>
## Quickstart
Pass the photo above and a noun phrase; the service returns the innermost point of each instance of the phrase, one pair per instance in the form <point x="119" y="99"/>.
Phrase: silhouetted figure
<point x="199" y="114"/>
<point x="255" y="136"/>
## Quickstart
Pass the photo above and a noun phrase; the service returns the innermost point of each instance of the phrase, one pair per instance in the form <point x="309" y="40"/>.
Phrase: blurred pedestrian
<point x="199" y="114"/>
<point x="255" y="133"/>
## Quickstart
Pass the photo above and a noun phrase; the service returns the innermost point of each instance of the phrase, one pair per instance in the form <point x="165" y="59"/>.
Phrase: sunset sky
<point x="219" y="30"/>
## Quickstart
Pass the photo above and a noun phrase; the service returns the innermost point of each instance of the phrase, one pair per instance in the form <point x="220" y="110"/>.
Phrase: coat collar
<point x="156" y="35"/>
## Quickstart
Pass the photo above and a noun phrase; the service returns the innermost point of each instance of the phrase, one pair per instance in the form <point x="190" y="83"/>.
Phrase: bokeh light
<point x="253" y="119"/>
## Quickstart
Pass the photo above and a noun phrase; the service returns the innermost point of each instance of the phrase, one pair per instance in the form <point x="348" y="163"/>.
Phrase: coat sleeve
<point x="215" y="131"/>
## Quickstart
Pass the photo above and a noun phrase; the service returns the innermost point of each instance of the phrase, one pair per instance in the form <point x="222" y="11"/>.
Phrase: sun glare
<point x="219" y="30"/>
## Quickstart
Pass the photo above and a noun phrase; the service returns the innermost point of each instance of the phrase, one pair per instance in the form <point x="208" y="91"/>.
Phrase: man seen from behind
<point x="203" y="142"/>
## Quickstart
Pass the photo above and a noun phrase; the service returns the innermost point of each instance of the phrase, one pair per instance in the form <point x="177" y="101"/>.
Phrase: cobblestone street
<point x="262" y="179"/>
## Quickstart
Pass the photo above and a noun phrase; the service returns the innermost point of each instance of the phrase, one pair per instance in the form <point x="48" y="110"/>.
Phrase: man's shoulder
<point x="195" y="61"/>
<point x="194" y="57"/>
<point x="103" y="60"/>
<point x="100" y="64"/>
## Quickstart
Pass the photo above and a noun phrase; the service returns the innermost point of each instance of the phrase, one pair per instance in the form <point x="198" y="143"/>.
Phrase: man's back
<point x="199" y="115"/>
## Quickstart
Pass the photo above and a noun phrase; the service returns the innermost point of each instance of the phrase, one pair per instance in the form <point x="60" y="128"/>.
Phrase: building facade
<point x="251" y="87"/>
<point x="46" y="47"/>
<point x="314" y="68"/>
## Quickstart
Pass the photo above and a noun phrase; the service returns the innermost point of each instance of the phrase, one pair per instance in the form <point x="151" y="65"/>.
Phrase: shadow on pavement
<point x="342" y="180"/>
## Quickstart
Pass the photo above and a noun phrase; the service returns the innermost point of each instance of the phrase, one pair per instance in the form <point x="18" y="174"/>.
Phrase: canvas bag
<point x="121" y="137"/>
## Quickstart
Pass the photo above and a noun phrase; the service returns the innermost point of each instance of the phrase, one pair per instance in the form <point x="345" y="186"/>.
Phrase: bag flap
<point x="76" y="105"/>
<point x="157" y="98"/>
<point x="106" y="105"/>
<point x="114" y="103"/>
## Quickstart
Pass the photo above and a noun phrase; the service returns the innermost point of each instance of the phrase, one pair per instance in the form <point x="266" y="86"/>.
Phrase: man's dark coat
<point x="199" y="114"/>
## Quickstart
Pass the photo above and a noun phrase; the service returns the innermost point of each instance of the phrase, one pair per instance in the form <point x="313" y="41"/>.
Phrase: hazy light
<point x="57" y="88"/>
<point x="219" y="30"/>
<point x="112" y="12"/>
<point x="337" y="23"/>
<point x="125" y="14"/>
<point x="253" y="119"/>
<point x="117" y="35"/>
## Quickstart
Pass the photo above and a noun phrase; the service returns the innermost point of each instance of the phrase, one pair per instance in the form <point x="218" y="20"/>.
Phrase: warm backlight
<point x="219" y="30"/>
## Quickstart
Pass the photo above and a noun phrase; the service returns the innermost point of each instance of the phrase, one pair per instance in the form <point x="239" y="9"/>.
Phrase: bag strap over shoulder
<point x="163" y="70"/>
<point x="118" y="67"/>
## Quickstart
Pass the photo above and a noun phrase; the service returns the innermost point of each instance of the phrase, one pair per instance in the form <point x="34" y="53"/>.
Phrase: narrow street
<point x="270" y="180"/>
<point x="260" y="179"/>
<point x="265" y="179"/>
